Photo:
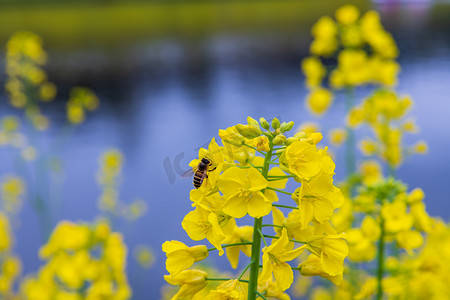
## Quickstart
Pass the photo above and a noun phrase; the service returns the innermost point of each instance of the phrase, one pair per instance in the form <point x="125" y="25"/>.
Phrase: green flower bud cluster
<point x="254" y="129"/>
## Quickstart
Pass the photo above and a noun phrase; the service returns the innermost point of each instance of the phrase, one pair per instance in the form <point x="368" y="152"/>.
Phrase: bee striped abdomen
<point x="198" y="179"/>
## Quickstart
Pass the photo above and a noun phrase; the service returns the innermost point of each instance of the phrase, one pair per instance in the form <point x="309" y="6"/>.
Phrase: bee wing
<point x="188" y="173"/>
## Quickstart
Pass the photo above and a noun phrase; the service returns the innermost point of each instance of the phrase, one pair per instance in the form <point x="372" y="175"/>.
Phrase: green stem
<point x="224" y="279"/>
<point x="350" y="143"/>
<point x="262" y="236"/>
<point x="380" y="260"/>
<point x="253" y="165"/>
<point x="272" y="225"/>
<point x="277" y="237"/>
<point x="247" y="167"/>
<point x="285" y="206"/>
<point x="254" y="269"/>
<point x="260" y="152"/>
<point x="279" y="191"/>
<point x="231" y="245"/>
<point x="243" y="272"/>
<point x="261" y="296"/>
<point x="256" y="246"/>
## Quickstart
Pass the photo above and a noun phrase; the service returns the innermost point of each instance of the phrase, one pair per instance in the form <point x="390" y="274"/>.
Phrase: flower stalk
<point x="256" y="246"/>
<point x="380" y="260"/>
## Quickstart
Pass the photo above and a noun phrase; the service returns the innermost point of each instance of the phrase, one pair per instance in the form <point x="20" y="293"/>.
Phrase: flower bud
<point x="264" y="123"/>
<point x="262" y="143"/>
<point x="248" y="131"/>
<point x="231" y="136"/>
<point x="290" y="140"/>
<point x="252" y="121"/>
<point x="275" y="123"/>
<point x="286" y="126"/>
<point x="279" y="140"/>
<point x="300" y="135"/>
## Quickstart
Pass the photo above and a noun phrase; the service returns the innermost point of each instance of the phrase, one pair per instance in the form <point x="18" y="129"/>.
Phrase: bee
<point x="200" y="172"/>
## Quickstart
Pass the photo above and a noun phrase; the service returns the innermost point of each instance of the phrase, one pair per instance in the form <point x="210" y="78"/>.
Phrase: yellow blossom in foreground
<point x="242" y="193"/>
<point x="332" y="250"/>
<point x="274" y="261"/>
<point x="181" y="257"/>
<point x="229" y="290"/>
<point x="238" y="234"/>
<point x="190" y="282"/>
<point x="303" y="160"/>
<point x="270" y="289"/>
<point x="200" y="224"/>
<point x="317" y="199"/>
<point x="313" y="267"/>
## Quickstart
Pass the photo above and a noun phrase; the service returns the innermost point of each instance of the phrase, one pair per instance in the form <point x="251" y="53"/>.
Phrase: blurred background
<point x="169" y="74"/>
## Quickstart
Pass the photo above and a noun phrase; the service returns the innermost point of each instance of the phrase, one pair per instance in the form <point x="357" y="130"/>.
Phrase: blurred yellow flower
<point x="319" y="100"/>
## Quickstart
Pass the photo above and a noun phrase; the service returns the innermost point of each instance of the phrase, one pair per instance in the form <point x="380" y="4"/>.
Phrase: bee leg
<point x="213" y="169"/>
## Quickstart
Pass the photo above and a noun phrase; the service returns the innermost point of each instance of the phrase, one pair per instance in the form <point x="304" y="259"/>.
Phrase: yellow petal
<point x="170" y="246"/>
<point x="235" y="206"/>
<point x="258" y="205"/>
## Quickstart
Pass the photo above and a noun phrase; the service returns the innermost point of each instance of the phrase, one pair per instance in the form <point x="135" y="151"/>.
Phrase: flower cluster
<point x="384" y="111"/>
<point x="393" y="242"/>
<point x="237" y="183"/>
<point x="82" y="262"/>
<point x="364" y="51"/>
<point x="27" y="81"/>
<point x="80" y="100"/>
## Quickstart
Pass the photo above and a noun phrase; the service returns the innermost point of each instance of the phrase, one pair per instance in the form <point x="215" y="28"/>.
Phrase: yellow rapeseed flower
<point x="317" y="199"/>
<point x="303" y="159"/>
<point x="181" y="257"/>
<point x="229" y="290"/>
<point x="202" y="223"/>
<point x="190" y="282"/>
<point x="242" y="191"/>
<point x="274" y="261"/>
